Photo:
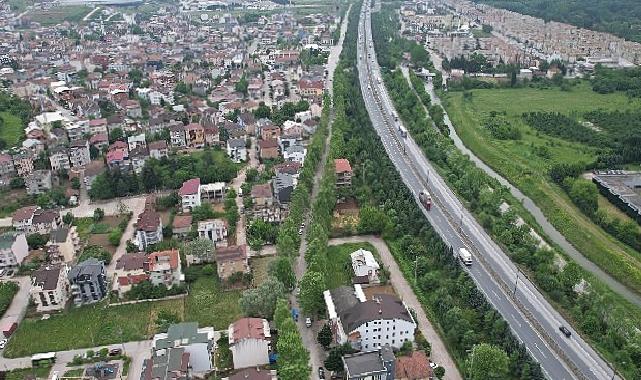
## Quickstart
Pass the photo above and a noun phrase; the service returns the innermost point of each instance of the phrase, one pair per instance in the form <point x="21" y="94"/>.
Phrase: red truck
<point x="426" y="199"/>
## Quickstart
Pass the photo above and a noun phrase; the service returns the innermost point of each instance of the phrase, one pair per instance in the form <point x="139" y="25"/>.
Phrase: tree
<point x="325" y="336"/>
<point x="37" y="240"/>
<point x="242" y="86"/>
<point x="98" y="214"/>
<point x="439" y="372"/>
<point x="583" y="193"/>
<point x="201" y="248"/>
<point x="487" y="362"/>
<point x="261" y="301"/>
<point x="281" y="268"/>
<point x="75" y="183"/>
<point x="116" y="134"/>
<point x="68" y="218"/>
<point x="312" y="286"/>
<point x="334" y="361"/>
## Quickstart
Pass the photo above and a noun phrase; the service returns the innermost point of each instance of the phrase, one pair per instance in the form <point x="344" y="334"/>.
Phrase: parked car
<point x="115" y="352"/>
<point x="321" y="373"/>
<point x="308" y="322"/>
<point x="565" y="331"/>
<point x="433" y="365"/>
<point x="3" y="343"/>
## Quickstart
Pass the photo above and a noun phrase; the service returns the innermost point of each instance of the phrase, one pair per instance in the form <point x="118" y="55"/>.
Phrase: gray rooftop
<point x="363" y="363"/>
<point x="283" y="180"/>
<point x="186" y="332"/>
<point x="59" y="235"/>
<point x="90" y="267"/>
<point x="236" y="143"/>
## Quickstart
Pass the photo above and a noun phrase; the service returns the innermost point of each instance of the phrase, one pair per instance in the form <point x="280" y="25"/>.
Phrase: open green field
<point x="10" y="129"/>
<point x="523" y="164"/>
<point x="7" y="291"/>
<point x="58" y="15"/>
<point x="340" y="264"/>
<point x="210" y="305"/>
<point x="28" y="373"/>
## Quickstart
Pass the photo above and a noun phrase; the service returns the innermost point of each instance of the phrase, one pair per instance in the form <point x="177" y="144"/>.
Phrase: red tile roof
<point x="132" y="279"/>
<point x="182" y="221"/>
<point x="342" y="165"/>
<point x="160" y="256"/>
<point x="231" y="253"/>
<point x="413" y="367"/>
<point x="148" y="221"/>
<point x="24" y="213"/>
<point x="189" y="187"/>
<point x="248" y="328"/>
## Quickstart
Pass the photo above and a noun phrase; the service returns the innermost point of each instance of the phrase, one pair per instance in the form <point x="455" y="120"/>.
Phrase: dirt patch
<point x="378" y="289"/>
<point x="103" y="241"/>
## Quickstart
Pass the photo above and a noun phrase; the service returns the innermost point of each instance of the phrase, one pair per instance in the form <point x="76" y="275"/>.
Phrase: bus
<point x="46" y="358"/>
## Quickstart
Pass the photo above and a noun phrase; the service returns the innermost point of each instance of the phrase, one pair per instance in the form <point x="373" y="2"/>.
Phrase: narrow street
<point x="308" y="335"/>
<point x="241" y="235"/>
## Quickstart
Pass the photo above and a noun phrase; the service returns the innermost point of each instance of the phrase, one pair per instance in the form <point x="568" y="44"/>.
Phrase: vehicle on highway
<point x="402" y="131"/>
<point x="465" y="256"/>
<point x="308" y="322"/>
<point x="426" y="199"/>
<point x="321" y="373"/>
<point x="565" y="331"/>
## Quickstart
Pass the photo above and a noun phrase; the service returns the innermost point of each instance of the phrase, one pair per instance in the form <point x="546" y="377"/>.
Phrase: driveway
<point x="439" y="354"/>
<point x="20" y="301"/>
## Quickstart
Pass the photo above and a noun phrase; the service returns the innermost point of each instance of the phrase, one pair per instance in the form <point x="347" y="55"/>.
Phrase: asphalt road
<point x="533" y="320"/>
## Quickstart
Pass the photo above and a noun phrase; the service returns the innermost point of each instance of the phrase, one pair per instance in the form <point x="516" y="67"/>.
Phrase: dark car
<point x="565" y="331"/>
<point x="321" y="373"/>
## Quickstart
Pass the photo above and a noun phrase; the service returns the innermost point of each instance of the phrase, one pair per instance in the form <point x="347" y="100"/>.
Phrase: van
<point x="465" y="256"/>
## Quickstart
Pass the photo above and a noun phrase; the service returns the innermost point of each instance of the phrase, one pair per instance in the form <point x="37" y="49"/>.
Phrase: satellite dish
<point x="204" y="17"/>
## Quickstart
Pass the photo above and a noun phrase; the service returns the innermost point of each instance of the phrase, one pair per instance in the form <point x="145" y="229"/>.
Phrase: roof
<point x="59" y="235"/>
<point x="266" y="144"/>
<point x="283" y="180"/>
<point x="342" y="165"/>
<point x="189" y="187"/>
<point x="381" y="306"/>
<point x="182" y="221"/>
<point x="158" y="145"/>
<point x="289" y="167"/>
<point x="45" y="216"/>
<point x="91" y="267"/>
<point x="231" y="253"/>
<point x="249" y="328"/>
<point x="413" y="367"/>
<point x="172" y="366"/>
<point x="364" y="257"/>
<point x="158" y="260"/>
<point x="132" y="279"/>
<point x="47" y="277"/>
<point x="186" y="332"/>
<point x="236" y="143"/>
<point x="251" y="374"/>
<point x="131" y="261"/>
<point x="261" y="191"/>
<point x="367" y="362"/>
<point x="148" y="221"/>
<point x="24" y="213"/>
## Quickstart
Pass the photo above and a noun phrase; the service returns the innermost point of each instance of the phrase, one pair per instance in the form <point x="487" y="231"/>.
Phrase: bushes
<point x="7" y="291"/>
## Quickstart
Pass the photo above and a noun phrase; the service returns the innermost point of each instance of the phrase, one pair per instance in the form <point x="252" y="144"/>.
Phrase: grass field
<point x="89" y="326"/>
<point x="11" y="131"/>
<point x="28" y="373"/>
<point x="7" y="291"/>
<point x="522" y="164"/>
<point x="260" y="266"/>
<point x="58" y="15"/>
<point x="210" y="305"/>
<point x="340" y="264"/>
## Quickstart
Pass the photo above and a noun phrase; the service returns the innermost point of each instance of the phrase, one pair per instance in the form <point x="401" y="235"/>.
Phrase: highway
<point x="533" y="320"/>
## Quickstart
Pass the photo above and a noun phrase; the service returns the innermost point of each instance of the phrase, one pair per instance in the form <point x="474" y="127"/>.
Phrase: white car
<point x="3" y="343"/>
<point x="433" y="365"/>
<point x="308" y="322"/>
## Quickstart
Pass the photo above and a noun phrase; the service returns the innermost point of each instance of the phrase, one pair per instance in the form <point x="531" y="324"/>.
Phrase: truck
<point x="426" y="199"/>
<point x="465" y="256"/>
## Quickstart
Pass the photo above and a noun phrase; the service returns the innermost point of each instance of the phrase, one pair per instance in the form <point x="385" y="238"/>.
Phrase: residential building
<point x="195" y="135"/>
<point x="6" y="166"/>
<point x="22" y="218"/>
<point x="174" y="364"/>
<point x="415" y="366"/>
<point x="13" y="250"/>
<point x="88" y="281"/>
<point x="268" y="149"/>
<point x="214" y="230"/>
<point x="236" y="150"/>
<point x="77" y="130"/>
<point x="148" y="228"/>
<point x="368" y="324"/>
<point x="343" y="172"/>
<point x="67" y="241"/>
<point x="197" y="342"/>
<point x="38" y="182"/>
<point x="136" y="141"/>
<point x="130" y="270"/>
<point x="295" y="153"/>
<point x="50" y="288"/>
<point x="249" y="342"/>
<point x="158" y="149"/>
<point x="230" y="260"/>
<point x="98" y="126"/>
<point x="270" y="132"/>
<point x="190" y="194"/>
<point x="138" y="158"/>
<point x="262" y="195"/>
<point x="23" y="163"/>
<point x="371" y="365"/>
<point x="59" y="158"/>
<point x="283" y="185"/>
<point x="181" y="226"/>
<point x="253" y="374"/>
<point x="214" y="192"/>
<point x="45" y="221"/>
<point x="177" y="136"/>
<point x="365" y="267"/>
<point x="164" y="268"/>
<point x="79" y="153"/>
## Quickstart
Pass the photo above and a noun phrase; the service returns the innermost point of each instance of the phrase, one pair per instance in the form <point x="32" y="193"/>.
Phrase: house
<point x="50" y="288"/>
<point x="177" y="136"/>
<point x="416" y="366"/>
<point x="270" y="132"/>
<point x="295" y="153"/>
<point x="212" y="136"/>
<point x="181" y="226"/>
<point x="118" y="159"/>
<point x="343" y="172"/>
<point x="22" y="218"/>
<point x="368" y="324"/>
<point x="23" y="163"/>
<point x="268" y="149"/>
<point x="79" y="153"/>
<point x="311" y="87"/>
<point x="230" y="260"/>
<point x="262" y="195"/>
<point x="6" y="166"/>
<point x="365" y="267"/>
<point x="130" y="270"/>
<point x="214" y="192"/>
<point x="67" y="241"/>
<point x="88" y="281"/>
<point x="174" y="364"/>
<point x="98" y="126"/>
<point x="136" y="141"/>
<point x="237" y="150"/>
<point x="197" y="342"/>
<point x="379" y="365"/>
<point x="214" y="230"/>
<point x="253" y="374"/>
<point x="138" y="158"/>
<point x="158" y="149"/>
<point x="59" y="158"/>
<point x="164" y="268"/>
<point x="38" y="182"/>
<point x="190" y="194"/>
<point x="195" y="135"/>
<point x="148" y="228"/>
<point x="45" y="221"/>
<point x="249" y="342"/>
<point x="13" y="250"/>
<point x="283" y="185"/>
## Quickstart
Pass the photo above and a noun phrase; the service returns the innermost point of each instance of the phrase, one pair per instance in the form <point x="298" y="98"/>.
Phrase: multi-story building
<point x="343" y="172"/>
<point x="13" y="250"/>
<point x="237" y="150"/>
<point x="77" y="130"/>
<point x="59" y="158"/>
<point x="197" y="342"/>
<point x="50" y="288"/>
<point x="158" y="149"/>
<point x="371" y="365"/>
<point x="67" y="241"/>
<point x="195" y="135"/>
<point x="230" y="260"/>
<point x="164" y="268"/>
<point x="190" y="194"/>
<point x="177" y="136"/>
<point x="88" y="281"/>
<point x="6" y="166"/>
<point x="214" y="230"/>
<point x="79" y="153"/>
<point x="38" y="182"/>
<point x="23" y="163"/>
<point x="148" y="228"/>
<point x="249" y="342"/>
